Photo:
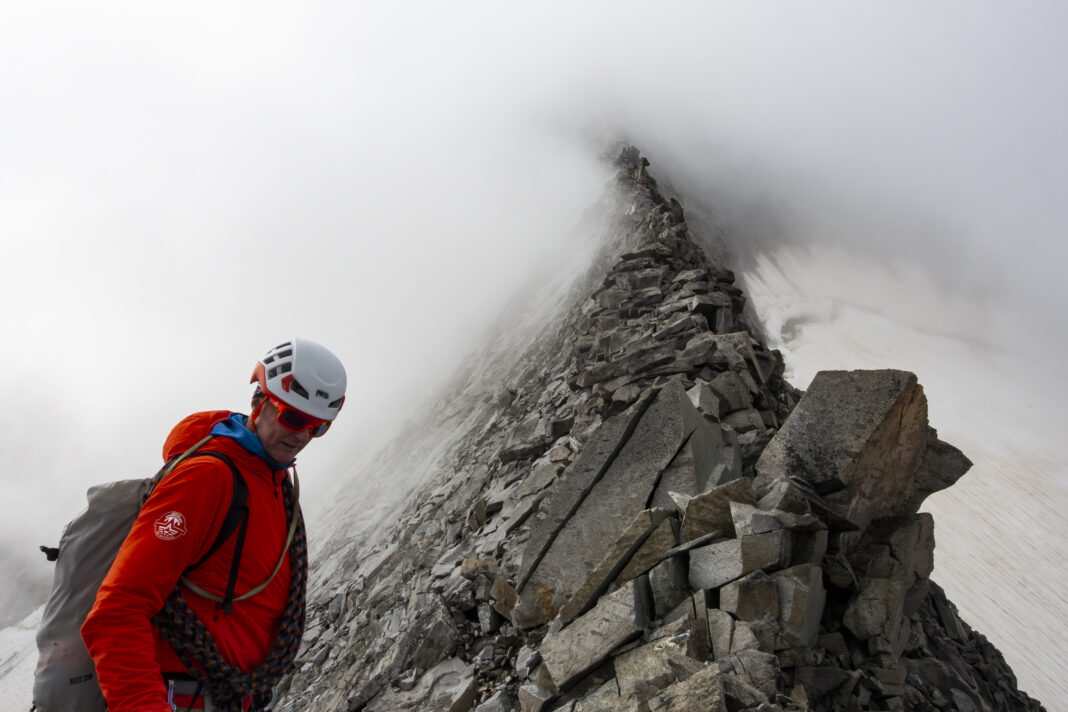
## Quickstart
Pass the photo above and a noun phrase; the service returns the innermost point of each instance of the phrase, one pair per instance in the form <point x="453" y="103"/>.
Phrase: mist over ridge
<point x="183" y="186"/>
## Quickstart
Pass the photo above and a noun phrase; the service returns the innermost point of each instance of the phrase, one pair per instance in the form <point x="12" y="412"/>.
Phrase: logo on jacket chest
<point x="170" y="526"/>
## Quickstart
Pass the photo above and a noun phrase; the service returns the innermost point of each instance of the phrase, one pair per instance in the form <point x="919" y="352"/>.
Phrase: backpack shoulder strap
<point x="236" y="519"/>
<point x="236" y="515"/>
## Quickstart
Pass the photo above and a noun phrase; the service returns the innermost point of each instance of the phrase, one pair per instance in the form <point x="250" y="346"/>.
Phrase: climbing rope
<point x="227" y="685"/>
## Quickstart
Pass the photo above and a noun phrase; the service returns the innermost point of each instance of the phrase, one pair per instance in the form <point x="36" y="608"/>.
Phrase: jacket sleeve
<point x="174" y="529"/>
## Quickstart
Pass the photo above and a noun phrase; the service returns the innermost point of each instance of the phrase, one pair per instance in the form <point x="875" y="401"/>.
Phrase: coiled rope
<point x="225" y="684"/>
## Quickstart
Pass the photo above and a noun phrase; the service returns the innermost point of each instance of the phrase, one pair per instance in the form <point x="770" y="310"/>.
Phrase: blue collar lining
<point x="235" y="427"/>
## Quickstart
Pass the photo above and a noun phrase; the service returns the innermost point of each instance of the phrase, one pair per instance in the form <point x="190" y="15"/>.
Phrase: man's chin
<point x="284" y="455"/>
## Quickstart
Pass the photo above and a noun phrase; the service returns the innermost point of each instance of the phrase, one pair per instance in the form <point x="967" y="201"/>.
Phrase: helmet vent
<point x="276" y="354"/>
<point x="337" y="403"/>
<point x="300" y="390"/>
<point x="280" y="368"/>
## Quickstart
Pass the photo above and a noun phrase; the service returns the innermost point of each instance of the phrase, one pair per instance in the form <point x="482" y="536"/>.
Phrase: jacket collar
<point x="235" y="427"/>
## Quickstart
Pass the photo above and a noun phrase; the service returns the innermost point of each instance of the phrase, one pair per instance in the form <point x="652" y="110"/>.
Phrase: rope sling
<point x="225" y="684"/>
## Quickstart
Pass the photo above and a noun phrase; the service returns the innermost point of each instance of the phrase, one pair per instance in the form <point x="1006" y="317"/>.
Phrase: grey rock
<point x="751" y="598"/>
<point x="769" y="551"/>
<point x="820" y="681"/>
<point x="560" y="451"/>
<point x="598" y="372"/>
<point x="711" y="511"/>
<point x="744" y="421"/>
<point x="942" y="466"/>
<point x="716" y="564"/>
<point x="701" y="613"/>
<point x="876" y="610"/>
<point x="644" y="359"/>
<point x="638" y="548"/>
<point x="448" y="686"/>
<point x="488" y="619"/>
<point x="606" y="699"/>
<point x="651" y="551"/>
<point x="627" y="394"/>
<point x="749" y="520"/>
<point x="741" y="695"/>
<point x="526" y="661"/>
<point x="809" y="547"/>
<point x="621" y="493"/>
<point x="498" y="702"/>
<point x="709" y="304"/>
<point x="690" y="275"/>
<point x="859" y="438"/>
<point x="644" y="671"/>
<point x="703" y="540"/>
<point x="679" y="480"/>
<point x="731" y="389"/>
<point x="642" y="279"/>
<point x="668" y="583"/>
<point x="531" y="437"/>
<point x="334" y="610"/>
<point x="541" y="476"/>
<point x="569" y="490"/>
<point x="534" y="698"/>
<point x="610" y="298"/>
<point x="756" y="668"/>
<point x="743" y="638"/>
<point x="617" y="618"/>
<point x="504" y="597"/>
<point x="687" y="634"/>
<point x="702" y="692"/>
<point x="407" y="679"/>
<point x="721" y="632"/>
<point x="801" y="600"/>
<point x="706" y="402"/>
<point x="477" y="516"/>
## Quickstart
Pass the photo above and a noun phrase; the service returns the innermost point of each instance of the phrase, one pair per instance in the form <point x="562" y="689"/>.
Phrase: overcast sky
<point x="184" y="186"/>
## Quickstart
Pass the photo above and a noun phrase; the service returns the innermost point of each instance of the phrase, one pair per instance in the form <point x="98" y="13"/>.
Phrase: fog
<point x="182" y="188"/>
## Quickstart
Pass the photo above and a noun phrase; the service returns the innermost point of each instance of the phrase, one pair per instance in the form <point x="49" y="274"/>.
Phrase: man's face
<point x="280" y="443"/>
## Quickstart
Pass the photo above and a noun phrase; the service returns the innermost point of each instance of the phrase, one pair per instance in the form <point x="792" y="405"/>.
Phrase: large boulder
<point x="861" y="441"/>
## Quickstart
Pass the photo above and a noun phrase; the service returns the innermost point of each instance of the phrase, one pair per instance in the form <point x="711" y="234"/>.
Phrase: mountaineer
<point x="203" y="608"/>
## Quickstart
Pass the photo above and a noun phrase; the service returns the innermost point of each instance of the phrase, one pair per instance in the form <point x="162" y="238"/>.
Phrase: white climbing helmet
<point x="305" y="375"/>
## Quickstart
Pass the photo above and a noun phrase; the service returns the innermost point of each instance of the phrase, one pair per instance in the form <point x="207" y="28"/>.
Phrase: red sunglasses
<point x="292" y="419"/>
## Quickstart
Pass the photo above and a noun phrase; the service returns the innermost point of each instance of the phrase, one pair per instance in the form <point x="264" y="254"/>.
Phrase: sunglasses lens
<point x="296" y="421"/>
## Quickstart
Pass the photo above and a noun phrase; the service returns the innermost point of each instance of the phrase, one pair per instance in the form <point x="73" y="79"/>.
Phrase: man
<point x="178" y="625"/>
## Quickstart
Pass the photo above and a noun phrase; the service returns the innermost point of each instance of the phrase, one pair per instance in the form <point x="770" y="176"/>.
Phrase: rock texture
<point x="638" y="513"/>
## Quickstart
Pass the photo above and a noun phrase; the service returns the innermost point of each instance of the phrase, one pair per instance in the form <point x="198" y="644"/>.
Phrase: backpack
<point x="65" y="678"/>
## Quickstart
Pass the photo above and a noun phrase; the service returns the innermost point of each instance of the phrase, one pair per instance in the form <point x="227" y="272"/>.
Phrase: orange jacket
<point x="130" y="655"/>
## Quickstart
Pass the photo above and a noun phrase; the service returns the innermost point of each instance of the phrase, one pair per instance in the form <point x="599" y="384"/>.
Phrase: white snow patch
<point x="18" y="659"/>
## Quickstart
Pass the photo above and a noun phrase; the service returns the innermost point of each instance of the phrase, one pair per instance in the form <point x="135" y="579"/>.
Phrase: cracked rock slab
<point x="617" y="618"/>
<point x="702" y="692"/>
<point x="585" y="520"/>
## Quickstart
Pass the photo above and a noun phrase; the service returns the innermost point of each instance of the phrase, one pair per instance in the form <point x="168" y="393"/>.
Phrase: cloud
<point x="183" y="187"/>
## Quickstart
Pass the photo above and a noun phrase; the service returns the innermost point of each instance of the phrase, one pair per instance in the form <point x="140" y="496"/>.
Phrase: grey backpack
<point x="65" y="679"/>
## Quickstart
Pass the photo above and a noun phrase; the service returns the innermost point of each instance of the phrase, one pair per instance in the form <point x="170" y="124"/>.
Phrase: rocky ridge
<point x="637" y="512"/>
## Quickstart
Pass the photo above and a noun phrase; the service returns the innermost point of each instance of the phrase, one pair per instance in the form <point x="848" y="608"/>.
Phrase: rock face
<point x="645" y="516"/>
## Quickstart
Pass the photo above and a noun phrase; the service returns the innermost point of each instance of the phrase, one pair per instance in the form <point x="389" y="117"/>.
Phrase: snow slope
<point x="18" y="658"/>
